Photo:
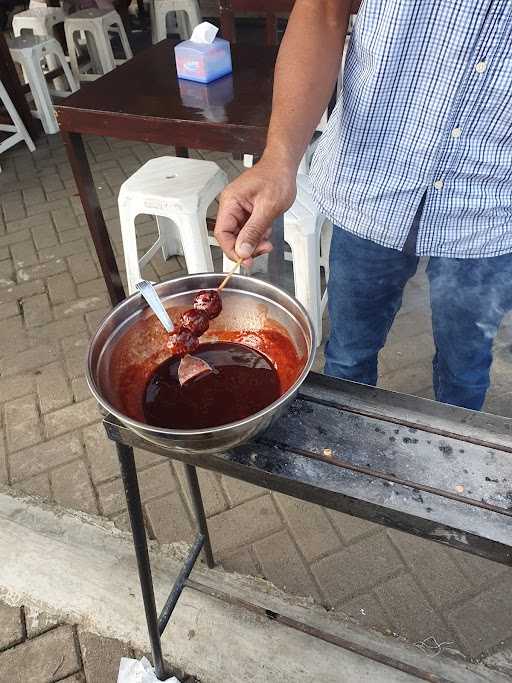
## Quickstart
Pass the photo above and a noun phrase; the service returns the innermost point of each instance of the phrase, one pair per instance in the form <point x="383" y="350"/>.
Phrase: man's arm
<point x="307" y="67"/>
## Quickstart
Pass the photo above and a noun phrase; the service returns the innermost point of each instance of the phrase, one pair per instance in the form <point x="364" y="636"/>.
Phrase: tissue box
<point x="203" y="62"/>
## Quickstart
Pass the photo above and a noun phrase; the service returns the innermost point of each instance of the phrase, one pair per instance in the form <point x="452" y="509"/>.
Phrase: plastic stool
<point x="188" y="16"/>
<point x="308" y="234"/>
<point x="95" y="24"/>
<point x="39" y="21"/>
<point x="17" y="129"/>
<point x="178" y="193"/>
<point x="29" y="52"/>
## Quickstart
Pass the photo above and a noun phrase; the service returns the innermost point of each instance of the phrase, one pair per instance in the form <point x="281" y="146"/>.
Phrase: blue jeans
<point x="469" y="298"/>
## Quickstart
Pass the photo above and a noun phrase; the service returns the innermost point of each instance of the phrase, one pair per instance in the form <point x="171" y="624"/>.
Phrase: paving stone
<point x="211" y="490"/>
<point x="53" y="389"/>
<point x="367" y="611"/>
<point x="22" y="426"/>
<point x="169" y="519"/>
<point x="19" y="292"/>
<point x="242" y="561"/>
<point x="36" y="486"/>
<point x="24" y="254"/>
<point x="14" y="238"/>
<point x="348" y="573"/>
<point x="71" y="235"/>
<point x="33" y="461"/>
<point x="82" y="268"/>
<point x="38" y="622"/>
<point x="71" y="486"/>
<point x="9" y="310"/>
<point x="13" y="336"/>
<point x="92" y="303"/>
<point x="409" y="380"/>
<point x="244" y="524"/>
<point x="479" y="571"/>
<point x="11" y="630"/>
<point x="71" y="417"/>
<point x="38" y="223"/>
<point x="36" y="310"/>
<point x="101" y="453"/>
<point x="51" y="182"/>
<point x="45" y="236"/>
<point x="101" y="657"/>
<point x="60" y="329"/>
<point x="47" y="206"/>
<point x="4" y="474"/>
<point x="33" y="195"/>
<point x="48" y="657"/>
<point x="75" y="354"/>
<point x="144" y="459"/>
<point x="240" y="491"/>
<point x="406" y="352"/>
<point x="61" y="288"/>
<point x="154" y="482"/>
<point x="41" y="271"/>
<point x="6" y="273"/>
<point x="440" y="577"/>
<point x="410" y="614"/>
<point x="350" y="527"/>
<point x="13" y="211"/>
<point x="94" y="318"/>
<point x="57" y="251"/>
<point x="283" y="565"/>
<point x="16" y="386"/>
<point x="310" y="527"/>
<point x="92" y="288"/>
<point x="80" y="389"/>
<point x="64" y="219"/>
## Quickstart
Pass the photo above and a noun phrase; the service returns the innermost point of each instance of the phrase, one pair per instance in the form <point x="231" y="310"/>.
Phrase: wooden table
<point x="143" y="100"/>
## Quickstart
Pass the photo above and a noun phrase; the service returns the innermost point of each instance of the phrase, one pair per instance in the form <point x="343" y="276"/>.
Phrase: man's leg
<point x="366" y="283"/>
<point x="469" y="298"/>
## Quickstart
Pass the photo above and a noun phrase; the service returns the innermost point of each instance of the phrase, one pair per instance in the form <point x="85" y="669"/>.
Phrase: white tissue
<point x="204" y="33"/>
<point x="135" y="671"/>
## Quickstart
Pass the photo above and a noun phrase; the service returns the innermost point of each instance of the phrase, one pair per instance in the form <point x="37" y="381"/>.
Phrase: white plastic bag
<point x="139" y="671"/>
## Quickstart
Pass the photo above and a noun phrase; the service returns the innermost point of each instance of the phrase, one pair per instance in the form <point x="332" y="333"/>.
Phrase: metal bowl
<point x="130" y="338"/>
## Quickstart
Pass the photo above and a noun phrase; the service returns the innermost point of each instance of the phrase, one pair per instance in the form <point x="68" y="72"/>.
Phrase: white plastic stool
<point x="96" y="25"/>
<point x="308" y="234"/>
<point x="18" y="131"/>
<point x="188" y="17"/>
<point x="178" y="193"/>
<point x="30" y="52"/>
<point x="39" y="21"/>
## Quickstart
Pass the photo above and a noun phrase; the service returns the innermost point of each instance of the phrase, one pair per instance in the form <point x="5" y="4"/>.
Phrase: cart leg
<point x="131" y="489"/>
<point x="197" y="504"/>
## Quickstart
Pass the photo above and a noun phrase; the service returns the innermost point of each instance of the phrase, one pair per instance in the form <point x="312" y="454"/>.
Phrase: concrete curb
<point x="82" y="570"/>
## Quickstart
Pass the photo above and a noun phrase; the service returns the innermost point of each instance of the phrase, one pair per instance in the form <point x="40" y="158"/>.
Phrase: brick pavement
<point x="51" y="443"/>
<point x="37" y="649"/>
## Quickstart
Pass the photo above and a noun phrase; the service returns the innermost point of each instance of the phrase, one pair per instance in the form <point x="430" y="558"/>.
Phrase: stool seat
<point x="95" y="25"/>
<point x="178" y="193"/>
<point x="188" y="16"/>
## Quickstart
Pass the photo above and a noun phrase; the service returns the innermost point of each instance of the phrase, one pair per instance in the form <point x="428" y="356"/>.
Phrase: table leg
<point x="95" y="219"/>
<point x="197" y="504"/>
<point x="133" y="502"/>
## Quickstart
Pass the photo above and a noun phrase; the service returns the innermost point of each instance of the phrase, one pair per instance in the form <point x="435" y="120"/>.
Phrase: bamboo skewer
<point x="229" y="275"/>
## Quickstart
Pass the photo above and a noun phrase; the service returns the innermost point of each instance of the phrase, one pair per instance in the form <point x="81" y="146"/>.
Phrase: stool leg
<point x="171" y="245"/>
<point x="104" y="51"/>
<point x="133" y="503"/>
<point x="306" y="275"/>
<point x="160" y="25"/>
<point x="194" y="239"/>
<point x="72" y="50"/>
<point x="42" y="99"/>
<point x="68" y="76"/>
<point x="129" y="238"/>
<point x="128" y="54"/>
<point x="15" y="117"/>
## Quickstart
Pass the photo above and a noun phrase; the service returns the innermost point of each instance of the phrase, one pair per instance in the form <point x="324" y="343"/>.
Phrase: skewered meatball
<point x="209" y="302"/>
<point x="195" y="321"/>
<point x="182" y="341"/>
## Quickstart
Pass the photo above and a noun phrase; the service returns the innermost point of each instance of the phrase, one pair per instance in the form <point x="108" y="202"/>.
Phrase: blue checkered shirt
<point x="425" y="109"/>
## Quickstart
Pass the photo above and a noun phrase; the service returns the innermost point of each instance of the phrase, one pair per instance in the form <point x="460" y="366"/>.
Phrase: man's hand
<point x="250" y="204"/>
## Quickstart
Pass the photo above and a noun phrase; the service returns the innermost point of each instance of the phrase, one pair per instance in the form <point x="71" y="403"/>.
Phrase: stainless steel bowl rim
<point x="210" y="430"/>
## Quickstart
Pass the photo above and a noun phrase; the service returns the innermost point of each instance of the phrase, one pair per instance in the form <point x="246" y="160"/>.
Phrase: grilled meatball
<point x="182" y="341"/>
<point x="195" y="321"/>
<point x="208" y="302"/>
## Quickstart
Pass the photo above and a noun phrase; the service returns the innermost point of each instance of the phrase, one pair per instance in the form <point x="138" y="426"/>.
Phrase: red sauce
<point x="143" y="347"/>
<point x="244" y="382"/>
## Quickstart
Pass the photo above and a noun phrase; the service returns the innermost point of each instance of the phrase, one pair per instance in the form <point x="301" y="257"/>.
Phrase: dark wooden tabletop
<point x="144" y="100"/>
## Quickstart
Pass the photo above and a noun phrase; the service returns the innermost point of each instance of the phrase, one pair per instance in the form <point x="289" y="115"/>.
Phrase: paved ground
<point x="35" y="649"/>
<point x="52" y="445"/>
